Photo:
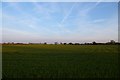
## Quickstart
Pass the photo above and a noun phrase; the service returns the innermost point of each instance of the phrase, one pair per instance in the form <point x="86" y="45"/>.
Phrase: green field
<point x="60" y="61"/>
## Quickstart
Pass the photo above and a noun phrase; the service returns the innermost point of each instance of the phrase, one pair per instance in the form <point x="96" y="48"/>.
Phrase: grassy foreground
<point x="60" y="61"/>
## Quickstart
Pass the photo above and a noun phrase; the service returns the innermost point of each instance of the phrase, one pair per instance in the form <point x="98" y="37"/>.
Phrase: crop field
<point x="60" y="61"/>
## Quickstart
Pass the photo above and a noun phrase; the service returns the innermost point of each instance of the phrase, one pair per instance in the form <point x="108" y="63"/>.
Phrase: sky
<point x="59" y="22"/>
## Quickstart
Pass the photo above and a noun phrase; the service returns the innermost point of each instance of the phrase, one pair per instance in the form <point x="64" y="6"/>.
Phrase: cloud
<point x="18" y="21"/>
<point x="69" y="12"/>
<point x="47" y="10"/>
<point x="101" y="32"/>
<point x="11" y="35"/>
<point x="43" y="10"/>
<point x="61" y="23"/>
<point x="98" y="20"/>
<point x="24" y="19"/>
<point x="36" y="27"/>
<point x="85" y="11"/>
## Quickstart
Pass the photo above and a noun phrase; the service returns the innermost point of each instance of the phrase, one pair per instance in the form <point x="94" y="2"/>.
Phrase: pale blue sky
<point x="59" y="21"/>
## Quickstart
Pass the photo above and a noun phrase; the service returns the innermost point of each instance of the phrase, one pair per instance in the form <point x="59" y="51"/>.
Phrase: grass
<point x="60" y="61"/>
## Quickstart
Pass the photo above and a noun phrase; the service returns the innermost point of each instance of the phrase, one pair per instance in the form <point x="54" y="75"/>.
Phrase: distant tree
<point x="12" y="42"/>
<point x="112" y="42"/>
<point x="45" y="42"/>
<point x="64" y="43"/>
<point x="70" y="43"/>
<point x="94" y="43"/>
<point x="85" y="43"/>
<point x="61" y="43"/>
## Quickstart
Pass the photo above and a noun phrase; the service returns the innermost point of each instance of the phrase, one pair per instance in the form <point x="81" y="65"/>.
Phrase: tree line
<point x="111" y="42"/>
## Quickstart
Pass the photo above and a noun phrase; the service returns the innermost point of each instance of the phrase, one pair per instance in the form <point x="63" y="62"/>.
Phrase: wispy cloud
<point x="66" y="22"/>
<point x="61" y="24"/>
<point x="85" y="11"/>
<point x="98" y="20"/>
<point x="104" y="31"/>
<point x="24" y="19"/>
<point x="69" y="12"/>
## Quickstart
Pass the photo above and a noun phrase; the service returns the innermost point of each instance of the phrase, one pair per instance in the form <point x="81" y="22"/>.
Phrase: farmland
<point x="60" y="61"/>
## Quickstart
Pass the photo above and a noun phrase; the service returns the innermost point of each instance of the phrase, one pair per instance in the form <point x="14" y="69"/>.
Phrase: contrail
<point x="97" y="3"/>
<point x="63" y="20"/>
<point x="68" y="13"/>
